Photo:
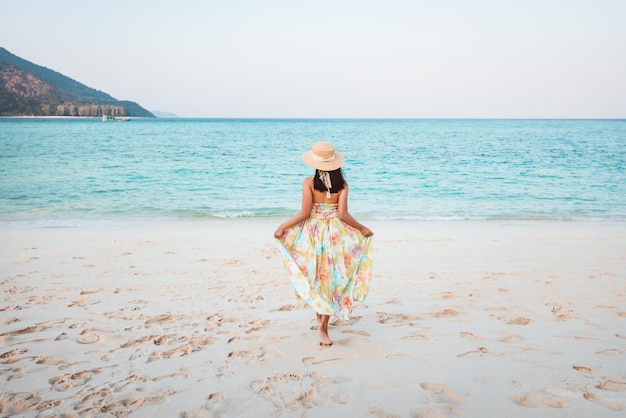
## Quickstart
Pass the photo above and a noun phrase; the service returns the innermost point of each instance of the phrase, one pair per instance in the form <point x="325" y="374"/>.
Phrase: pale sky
<point x="335" y="59"/>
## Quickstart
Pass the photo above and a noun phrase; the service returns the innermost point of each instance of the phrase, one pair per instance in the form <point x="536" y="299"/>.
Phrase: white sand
<point x="197" y="319"/>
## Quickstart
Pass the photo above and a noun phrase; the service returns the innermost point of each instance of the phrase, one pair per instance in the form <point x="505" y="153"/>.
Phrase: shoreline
<point x="277" y="219"/>
<point x="289" y="119"/>
<point x="194" y="319"/>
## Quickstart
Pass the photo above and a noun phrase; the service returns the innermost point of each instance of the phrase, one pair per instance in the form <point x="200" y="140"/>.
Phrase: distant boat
<point x="110" y="118"/>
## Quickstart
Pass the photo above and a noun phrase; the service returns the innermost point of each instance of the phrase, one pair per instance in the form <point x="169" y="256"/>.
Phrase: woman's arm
<point x="305" y="211"/>
<point x="345" y="216"/>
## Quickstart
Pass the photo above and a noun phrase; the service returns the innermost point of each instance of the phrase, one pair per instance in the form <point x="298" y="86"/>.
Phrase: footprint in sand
<point x="62" y="336"/>
<point x="88" y="336"/>
<point x="246" y="354"/>
<point x="307" y="399"/>
<point x="284" y="377"/>
<point x="256" y="325"/>
<point x="161" y="318"/>
<point x="81" y="303"/>
<point x="47" y="360"/>
<point x="224" y="371"/>
<point x="363" y="333"/>
<point x="425" y="335"/>
<point x="519" y="321"/>
<point x="446" y="313"/>
<point x="614" y="406"/>
<point x="132" y="379"/>
<point x="513" y="338"/>
<point x="95" y="399"/>
<point x="217" y="395"/>
<point x="11" y="308"/>
<point x="610" y="352"/>
<point x="138" y="354"/>
<point x="135" y="403"/>
<point x="39" y="300"/>
<point x="261" y="387"/>
<point x="273" y="350"/>
<point x="180" y="351"/>
<point x="137" y="341"/>
<point x="45" y="405"/>
<point x="612" y="386"/>
<point x="398" y="319"/>
<point x="442" y="411"/>
<point x="27" y="330"/>
<point x="200" y="341"/>
<point x="560" y="313"/>
<point x="440" y="393"/>
<point x="480" y="352"/>
<point x="23" y="402"/>
<point x="14" y="352"/>
<point x="538" y="399"/>
<point x="90" y="291"/>
<point x="351" y="341"/>
<point x="16" y="373"/>
<point x="578" y="337"/>
<point x="9" y="321"/>
<point x="176" y="375"/>
<point x="68" y="381"/>
<point x="12" y="290"/>
<point x="311" y="391"/>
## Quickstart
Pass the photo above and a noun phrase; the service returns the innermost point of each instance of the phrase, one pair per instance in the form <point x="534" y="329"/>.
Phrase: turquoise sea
<point x="72" y="172"/>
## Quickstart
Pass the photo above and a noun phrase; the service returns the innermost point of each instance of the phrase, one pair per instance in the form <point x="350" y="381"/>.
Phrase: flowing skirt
<point x="329" y="263"/>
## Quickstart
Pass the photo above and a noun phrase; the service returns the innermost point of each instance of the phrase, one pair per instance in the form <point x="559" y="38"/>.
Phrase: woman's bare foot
<point x="323" y="331"/>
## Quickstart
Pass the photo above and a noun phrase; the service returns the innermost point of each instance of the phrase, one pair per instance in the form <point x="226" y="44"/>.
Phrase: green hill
<point x="28" y="89"/>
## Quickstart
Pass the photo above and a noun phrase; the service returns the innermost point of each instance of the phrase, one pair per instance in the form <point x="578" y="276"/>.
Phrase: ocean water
<point x="71" y="172"/>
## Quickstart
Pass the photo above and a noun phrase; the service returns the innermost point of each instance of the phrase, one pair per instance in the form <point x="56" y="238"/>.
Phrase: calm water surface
<point x="66" y="172"/>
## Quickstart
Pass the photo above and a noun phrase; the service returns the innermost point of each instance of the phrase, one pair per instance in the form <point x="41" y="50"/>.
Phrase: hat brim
<point x="308" y="159"/>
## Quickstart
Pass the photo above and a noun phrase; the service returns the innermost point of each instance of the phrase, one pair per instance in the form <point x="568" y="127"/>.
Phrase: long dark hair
<point x="336" y="179"/>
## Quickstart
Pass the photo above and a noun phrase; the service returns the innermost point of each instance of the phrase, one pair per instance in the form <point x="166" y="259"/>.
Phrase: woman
<point x="327" y="253"/>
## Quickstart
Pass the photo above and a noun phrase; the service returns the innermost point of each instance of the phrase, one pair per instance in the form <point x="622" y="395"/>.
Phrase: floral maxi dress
<point x="329" y="263"/>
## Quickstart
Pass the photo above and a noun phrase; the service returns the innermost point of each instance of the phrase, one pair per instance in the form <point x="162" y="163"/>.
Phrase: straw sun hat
<point x="323" y="157"/>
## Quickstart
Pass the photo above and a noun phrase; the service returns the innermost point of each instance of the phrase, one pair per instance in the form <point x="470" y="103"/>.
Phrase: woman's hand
<point x="366" y="232"/>
<point x="278" y="234"/>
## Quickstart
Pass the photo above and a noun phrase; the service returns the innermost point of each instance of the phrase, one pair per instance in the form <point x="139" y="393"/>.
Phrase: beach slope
<point x="198" y="319"/>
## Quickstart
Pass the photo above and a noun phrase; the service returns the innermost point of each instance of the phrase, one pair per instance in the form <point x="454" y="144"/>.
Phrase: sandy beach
<point x="198" y="319"/>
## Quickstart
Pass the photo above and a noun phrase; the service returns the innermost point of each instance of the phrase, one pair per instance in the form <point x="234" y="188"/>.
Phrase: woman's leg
<point x="323" y="331"/>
